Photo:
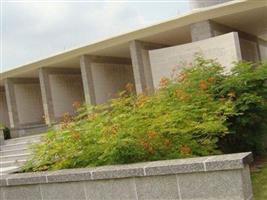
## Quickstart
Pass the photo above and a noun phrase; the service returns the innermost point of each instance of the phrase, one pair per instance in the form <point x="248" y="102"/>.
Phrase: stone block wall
<point x="224" y="177"/>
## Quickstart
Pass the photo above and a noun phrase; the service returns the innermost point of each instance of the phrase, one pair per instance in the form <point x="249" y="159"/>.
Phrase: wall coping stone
<point x="155" y="168"/>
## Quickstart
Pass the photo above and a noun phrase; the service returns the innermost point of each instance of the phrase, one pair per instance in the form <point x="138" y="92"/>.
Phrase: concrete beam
<point x="141" y="65"/>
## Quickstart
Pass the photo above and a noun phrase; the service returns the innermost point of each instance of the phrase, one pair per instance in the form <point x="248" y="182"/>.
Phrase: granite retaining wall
<point x="224" y="177"/>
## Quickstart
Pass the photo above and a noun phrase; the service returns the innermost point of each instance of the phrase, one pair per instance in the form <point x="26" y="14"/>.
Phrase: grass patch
<point x="259" y="182"/>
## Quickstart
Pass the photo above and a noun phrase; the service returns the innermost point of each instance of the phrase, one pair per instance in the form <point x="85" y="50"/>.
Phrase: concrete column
<point x="2" y="138"/>
<point x="60" y="88"/>
<point x="104" y="76"/>
<point x="141" y="65"/>
<point x="11" y="104"/>
<point x="46" y="96"/>
<point x="4" y="118"/>
<point x="262" y="49"/>
<point x="87" y="78"/>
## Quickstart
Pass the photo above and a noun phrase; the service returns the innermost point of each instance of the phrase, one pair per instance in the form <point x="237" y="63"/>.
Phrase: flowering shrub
<point x="189" y="115"/>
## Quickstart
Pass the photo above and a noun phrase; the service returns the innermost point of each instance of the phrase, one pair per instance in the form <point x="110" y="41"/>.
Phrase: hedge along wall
<point x="214" y="177"/>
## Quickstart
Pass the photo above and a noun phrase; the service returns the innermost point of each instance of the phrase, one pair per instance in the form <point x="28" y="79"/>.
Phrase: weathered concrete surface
<point x="60" y="87"/>
<point x="213" y="177"/>
<point x="167" y="61"/>
<point x="104" y="77"/>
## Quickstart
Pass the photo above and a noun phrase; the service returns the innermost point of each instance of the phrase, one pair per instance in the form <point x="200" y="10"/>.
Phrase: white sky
<point x="32" y="30"/>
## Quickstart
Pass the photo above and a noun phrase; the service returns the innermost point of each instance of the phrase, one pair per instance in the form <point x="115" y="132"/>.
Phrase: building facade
<point x="36" y="95"/>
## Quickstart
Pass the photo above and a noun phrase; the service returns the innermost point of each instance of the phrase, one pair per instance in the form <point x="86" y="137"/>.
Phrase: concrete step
<point x="12" y="163"/>
<point x="22" y="145"/>
<point x="14" y="151"/>
<point x="8" y="170"/>
<point x="15" y="157"/>
<point x="34" y="138"/>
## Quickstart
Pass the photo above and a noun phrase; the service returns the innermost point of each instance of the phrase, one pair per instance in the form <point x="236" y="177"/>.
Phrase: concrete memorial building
<point x="34" y="96"/>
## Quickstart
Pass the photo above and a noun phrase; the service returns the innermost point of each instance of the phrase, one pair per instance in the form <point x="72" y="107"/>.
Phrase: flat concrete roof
<point x="246" y="15"/>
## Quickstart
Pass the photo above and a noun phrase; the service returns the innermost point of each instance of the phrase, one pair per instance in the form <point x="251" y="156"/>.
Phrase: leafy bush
<point x="182" y="119"/>
<point x="246" y="86"/>
<point x="201" y="111"/>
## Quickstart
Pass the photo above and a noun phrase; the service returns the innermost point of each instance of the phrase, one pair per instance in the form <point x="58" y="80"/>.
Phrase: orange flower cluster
<point x="182" y="77"/>
<point x="211" y="79"/>
<point x="141" y="100"/>
<point x="185" y="149"/>
<point x="151" y="134"/>
<point x="164" y="82"/>
<point x="66" y="119"/>
<point x="183" y="96"/>
<point x="91" y="116"/>
<point x="202" y="85"/>
<point x="76" y="105"/>
<point x="111" y="130"/>
<point x="76" y="136"/>
<point x="167" y="142"/>
<point x="148" y="146"/>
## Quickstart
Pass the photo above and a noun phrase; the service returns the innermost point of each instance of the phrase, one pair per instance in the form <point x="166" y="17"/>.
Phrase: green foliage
<point x="247" y="87"/>
<point x="201" y="111"/>
<point x="182" y="119"/>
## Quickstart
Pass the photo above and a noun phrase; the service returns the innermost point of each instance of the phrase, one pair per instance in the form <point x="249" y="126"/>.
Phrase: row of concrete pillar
<point x="32" y="104"/>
